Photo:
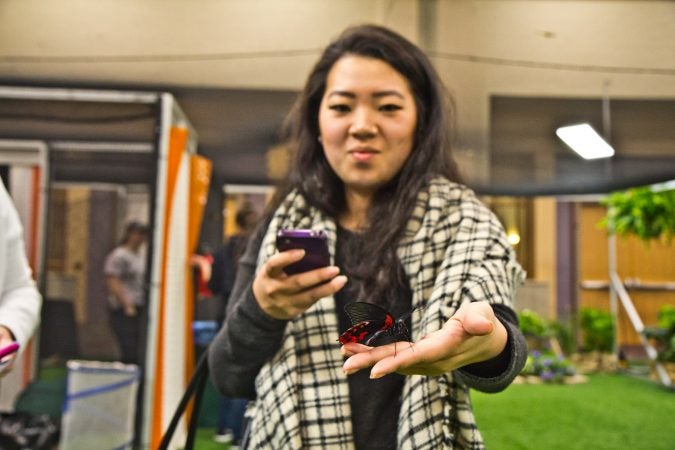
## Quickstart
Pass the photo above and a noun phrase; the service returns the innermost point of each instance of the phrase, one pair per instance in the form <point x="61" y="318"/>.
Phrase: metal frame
<point x="168" y="113"/>
<point x="617" y="291"/>
<point x="77" y="95"/>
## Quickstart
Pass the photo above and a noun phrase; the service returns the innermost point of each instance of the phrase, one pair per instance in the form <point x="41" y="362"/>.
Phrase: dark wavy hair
<point x="311" y="174"/>
<point x="133" y="227"/>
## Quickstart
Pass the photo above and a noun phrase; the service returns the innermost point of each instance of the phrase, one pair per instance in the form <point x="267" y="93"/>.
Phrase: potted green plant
<point x="643" y="211"/>
<point x="648" y="213"/>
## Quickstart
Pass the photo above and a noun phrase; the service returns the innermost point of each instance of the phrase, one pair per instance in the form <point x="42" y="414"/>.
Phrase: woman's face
<point x="367" y="121"/>
<point x="136" y="239"/>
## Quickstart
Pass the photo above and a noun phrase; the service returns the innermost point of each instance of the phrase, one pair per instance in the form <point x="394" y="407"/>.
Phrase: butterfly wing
<point x="361" y="311"/>
<point x="368" y="322"/>
<point x="362" y="332"/>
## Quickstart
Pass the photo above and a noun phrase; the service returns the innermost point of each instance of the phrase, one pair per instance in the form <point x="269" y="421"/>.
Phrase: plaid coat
<point x="454" y="250"/>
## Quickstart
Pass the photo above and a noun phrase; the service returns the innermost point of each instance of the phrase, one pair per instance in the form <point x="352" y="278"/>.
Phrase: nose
<point x="363" y="126"/>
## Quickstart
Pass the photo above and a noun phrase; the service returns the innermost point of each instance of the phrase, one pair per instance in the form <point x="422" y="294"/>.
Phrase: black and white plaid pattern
<point x="454" y="250"/>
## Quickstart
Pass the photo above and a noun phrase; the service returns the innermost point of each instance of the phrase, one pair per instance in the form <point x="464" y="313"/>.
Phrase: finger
<point x="307" y="297"/>
<point x="329" y="287"/>
<point x="7" y="359"/>
<point x="274" y="267"/>
<point x="461" y="312"/>
<point x="368" y="358"/>
<point x="477" y="325"/>
<point x="409" y="358"/>
<point x="314" y="277"/>
<point x="352" y="348"/>
<point x="476" y="318"/>
<point x="424" y="355"/>
<point x="307" y="281"/>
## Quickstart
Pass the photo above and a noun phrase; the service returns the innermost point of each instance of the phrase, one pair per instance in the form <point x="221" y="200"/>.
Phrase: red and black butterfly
<point x="370" y="322"/>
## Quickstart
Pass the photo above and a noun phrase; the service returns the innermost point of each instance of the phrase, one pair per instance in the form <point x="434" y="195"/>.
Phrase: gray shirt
<point x="129" y="268"/>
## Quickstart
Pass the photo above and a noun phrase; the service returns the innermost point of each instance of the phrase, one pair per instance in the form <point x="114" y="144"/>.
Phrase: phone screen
<point x="314" y="242"/>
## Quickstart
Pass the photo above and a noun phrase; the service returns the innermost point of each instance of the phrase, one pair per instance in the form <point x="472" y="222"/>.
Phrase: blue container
<point x="204" y="331"/>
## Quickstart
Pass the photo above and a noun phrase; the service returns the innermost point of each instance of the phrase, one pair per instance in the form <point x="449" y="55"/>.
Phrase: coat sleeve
<point x="248" y="337"/>
<point x="495" y="375"/>
<point x="480" y="265"/>
<point x="20" y="301"/>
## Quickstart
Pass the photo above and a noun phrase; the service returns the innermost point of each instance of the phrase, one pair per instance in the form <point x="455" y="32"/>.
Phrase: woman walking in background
<point x="125" y="273"/>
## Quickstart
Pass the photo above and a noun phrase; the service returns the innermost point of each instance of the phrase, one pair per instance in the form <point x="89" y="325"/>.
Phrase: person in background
<point x="225" y="259"/>
<point x="201" y="263"/>
<point x="20" y="301"/>
<point x="229" y="428"/>
<point x="372" y="168"/>
<point x="124" y="270"/>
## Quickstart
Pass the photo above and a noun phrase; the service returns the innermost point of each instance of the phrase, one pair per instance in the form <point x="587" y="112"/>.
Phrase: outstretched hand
<point x="472" y="335"/>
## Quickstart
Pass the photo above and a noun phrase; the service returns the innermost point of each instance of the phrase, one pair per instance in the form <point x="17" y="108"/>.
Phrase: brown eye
<point x="390" y="107"/>
<point x="340" y="108"/>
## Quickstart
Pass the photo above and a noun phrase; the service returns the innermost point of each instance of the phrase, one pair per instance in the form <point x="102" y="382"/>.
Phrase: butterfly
<point x="369" y="322"/>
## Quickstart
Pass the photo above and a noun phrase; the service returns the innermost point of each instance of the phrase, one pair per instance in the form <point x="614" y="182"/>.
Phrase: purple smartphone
<point x="9" y="349"/>
<point x="312" y="241"/>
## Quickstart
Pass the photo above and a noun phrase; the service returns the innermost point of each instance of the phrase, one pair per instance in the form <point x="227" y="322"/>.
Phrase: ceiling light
<point x="665" y="186"/>
<point x="513" y="236"/>
<point x="584" y="140"/>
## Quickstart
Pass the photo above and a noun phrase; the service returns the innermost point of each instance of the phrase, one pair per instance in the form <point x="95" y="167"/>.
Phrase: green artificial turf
<point x="204" y="441"/>
<point x="609" y="412"/>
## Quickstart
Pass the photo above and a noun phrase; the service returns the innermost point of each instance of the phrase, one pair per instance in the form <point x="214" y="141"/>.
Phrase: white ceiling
<point x="548" y="49"/>
<point x="272" y="43"/>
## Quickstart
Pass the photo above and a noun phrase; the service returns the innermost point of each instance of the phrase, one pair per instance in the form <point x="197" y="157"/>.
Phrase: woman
<point x="124" y="271"/>
<point x="372" y="169"/>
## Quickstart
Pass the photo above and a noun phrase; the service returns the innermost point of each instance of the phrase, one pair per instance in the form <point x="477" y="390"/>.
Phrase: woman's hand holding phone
<point x="8" y="348"/>
<point x="285" y="296"/>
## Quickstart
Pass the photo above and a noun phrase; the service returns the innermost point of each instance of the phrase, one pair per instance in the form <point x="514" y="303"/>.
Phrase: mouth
<point x="363" y="154"/>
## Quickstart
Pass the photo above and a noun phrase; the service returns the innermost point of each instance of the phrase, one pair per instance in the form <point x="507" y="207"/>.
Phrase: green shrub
<point x="532" y="324"/>
<point x="565" y="337"/>
<point x="540" y="332"/>
<point x="542" y="360"/>
<point x="598" y="329"/>
<point x="664" y="333"/>
<point x="666" y="317"/>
